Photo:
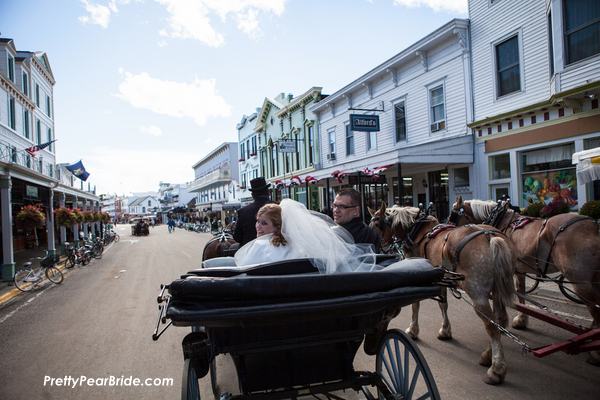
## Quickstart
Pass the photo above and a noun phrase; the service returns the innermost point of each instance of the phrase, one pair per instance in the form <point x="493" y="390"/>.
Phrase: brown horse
<point x="217" y="246"/>
<point x="482" y="254"/>
<point x="568" y="243"/>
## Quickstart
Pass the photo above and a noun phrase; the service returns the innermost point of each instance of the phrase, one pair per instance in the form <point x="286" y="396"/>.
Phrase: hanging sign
<point x="367" y="123"/>
<point x="365" y="179"/>
<point x="31" y="191"/>
<point x="287" y="146"/>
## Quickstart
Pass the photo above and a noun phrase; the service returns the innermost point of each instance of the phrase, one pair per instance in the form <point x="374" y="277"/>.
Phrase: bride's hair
<point x="273" y="213"/>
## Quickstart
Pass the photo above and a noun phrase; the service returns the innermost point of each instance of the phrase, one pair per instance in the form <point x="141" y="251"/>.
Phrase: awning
<point x="588" y="165"/>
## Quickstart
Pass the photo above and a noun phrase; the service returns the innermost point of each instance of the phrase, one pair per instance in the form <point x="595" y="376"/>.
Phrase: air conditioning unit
<point x="436" y="126"/>
<point x="331" y="156"/>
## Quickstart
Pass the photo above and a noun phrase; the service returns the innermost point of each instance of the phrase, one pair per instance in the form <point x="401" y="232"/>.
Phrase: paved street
<point x="98" y="324"/>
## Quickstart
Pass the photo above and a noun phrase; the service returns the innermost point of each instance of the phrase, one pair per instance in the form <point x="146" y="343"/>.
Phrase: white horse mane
<point x="403" y="216"/>
<point x="481" y="208"/>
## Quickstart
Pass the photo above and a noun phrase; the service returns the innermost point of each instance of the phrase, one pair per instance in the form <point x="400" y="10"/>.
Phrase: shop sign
<point x="366" y="123"/>
<point x="217" y="207"/>
<point x="353" y="179"/>
<point x="287" y="146"/>
<point x="31" y="191"/>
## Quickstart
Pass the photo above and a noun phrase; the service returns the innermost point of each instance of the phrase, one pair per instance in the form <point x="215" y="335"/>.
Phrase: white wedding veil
<point x="331" y="247"/>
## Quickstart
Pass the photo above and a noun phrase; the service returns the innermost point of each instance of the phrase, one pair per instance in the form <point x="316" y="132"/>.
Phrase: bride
<point x="289" y="230"/>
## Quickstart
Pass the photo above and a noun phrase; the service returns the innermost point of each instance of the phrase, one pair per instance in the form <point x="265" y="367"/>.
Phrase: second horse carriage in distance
<point x="140" y="227"/>
<point x="292" y="331"/>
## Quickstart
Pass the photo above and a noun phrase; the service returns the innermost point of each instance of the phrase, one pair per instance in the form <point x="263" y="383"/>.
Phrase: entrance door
<point x="438" y="193"/>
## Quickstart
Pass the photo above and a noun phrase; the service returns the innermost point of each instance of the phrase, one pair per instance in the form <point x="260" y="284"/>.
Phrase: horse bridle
<point x="454" y="217"/>
<point x="383" y="223"/>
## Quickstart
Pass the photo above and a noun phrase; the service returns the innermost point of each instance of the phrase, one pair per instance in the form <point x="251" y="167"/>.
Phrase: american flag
<point x="34" y="149"/>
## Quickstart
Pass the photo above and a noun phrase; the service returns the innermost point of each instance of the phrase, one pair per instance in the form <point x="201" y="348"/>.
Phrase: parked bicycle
<point x="30" y="278"/>
<point x="110" y="236"/>
<point x="81" y="255"/>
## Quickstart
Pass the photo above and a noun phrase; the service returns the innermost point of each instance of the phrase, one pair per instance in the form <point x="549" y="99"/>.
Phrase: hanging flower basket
<point x="105" y="217"/>
<point x="31" y="217"/>
<point x="78" y="214"/>
<point x="88" y="217"/>
<point x="97" y="216"/>
<point x="64" y="217"/>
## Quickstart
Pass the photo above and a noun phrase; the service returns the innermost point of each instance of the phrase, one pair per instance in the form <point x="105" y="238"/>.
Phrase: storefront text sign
<point x="353" y="179"/>
<point x="32" y="191"/>
<point x="368" y="123"/>
<point x="287" y="146"/>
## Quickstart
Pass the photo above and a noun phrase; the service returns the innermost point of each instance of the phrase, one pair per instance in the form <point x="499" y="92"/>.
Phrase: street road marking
<point x="186" y="254"/>
<point x="10" y="314"/>
<point x="132" y="241"/>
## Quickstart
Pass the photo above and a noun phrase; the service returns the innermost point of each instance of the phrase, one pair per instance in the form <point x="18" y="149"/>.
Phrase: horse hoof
<point x="594" y="358"/>
<point x="519" y="323"/>
<point x="485" y="362"/>
<point x="444" y="335"/>
<point x="414" y="335"/>
<point x="493" y="379"/>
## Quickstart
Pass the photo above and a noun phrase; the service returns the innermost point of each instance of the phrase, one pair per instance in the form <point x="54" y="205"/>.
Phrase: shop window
<point x="581" y="29"/>
<point x="349" y="141"/>
<point x="500" y="167"/>
<point x="400" y="117"/>
<point x="407" y="192"/>
<point x="548" y="174"/>
<point x="438" y="114"/>
<point x="461" y="177"/>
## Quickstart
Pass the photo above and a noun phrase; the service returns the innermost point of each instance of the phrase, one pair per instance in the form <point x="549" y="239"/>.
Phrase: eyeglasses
<point x="342" y="207"/>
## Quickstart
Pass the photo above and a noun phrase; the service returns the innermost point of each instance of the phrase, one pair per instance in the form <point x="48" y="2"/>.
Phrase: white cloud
<point x="119" y="175"/>
<point x="197" y="100"/>
<point x="457" y="6"/>
<point x="162" y="43"/>
<point x="152" y="130"/>
<point x="99" y="15"/>
<point x="190" y="18"/>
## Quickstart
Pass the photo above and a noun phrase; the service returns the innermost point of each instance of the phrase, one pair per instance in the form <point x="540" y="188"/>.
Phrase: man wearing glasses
<point x="346" y="213"/>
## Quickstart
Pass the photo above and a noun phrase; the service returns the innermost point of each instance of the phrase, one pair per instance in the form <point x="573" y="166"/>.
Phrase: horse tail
<point x="503" y="258"/>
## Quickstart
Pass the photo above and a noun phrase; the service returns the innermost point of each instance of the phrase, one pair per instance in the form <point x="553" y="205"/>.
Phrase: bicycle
<point x="76" y="256"/>
<point x="30" y="278"/>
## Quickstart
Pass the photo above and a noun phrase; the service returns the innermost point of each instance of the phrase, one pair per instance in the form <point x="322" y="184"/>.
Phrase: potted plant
<point x="105" y="217"/>
<point x="553" y="208"/>
<point x="31" y="217"/>
<point x="78" y="215"/>
<point x="64" y="217"/>
<point x="591" y="209"/>
<point x="97" y="216"/>
<point x="88" y="217"/>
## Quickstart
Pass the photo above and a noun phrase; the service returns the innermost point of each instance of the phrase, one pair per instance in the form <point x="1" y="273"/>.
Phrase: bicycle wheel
<point x="20" y="280"/>
<point x="403" y="368"/>
<point x="117" y="238"/>
<point x="96" y="253"/>
<point x="567" y="292"/>
<point x="70" y="261"/>
<point x="190" y="389"/>
<point x="54" y="275"/>
<point x="86" y="258"/>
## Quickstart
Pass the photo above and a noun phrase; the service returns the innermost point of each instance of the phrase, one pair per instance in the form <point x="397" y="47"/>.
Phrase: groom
<point x="245" y="228"/>
<point x="346" y="213"/>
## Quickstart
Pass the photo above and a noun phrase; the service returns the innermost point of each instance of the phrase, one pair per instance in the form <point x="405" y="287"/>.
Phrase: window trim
<point x="369" y="144"/>
<point x="10" y="67"/>
<point x="25" y="83"/>
<point x="349" y="139"/>
<point x="519" y="34"/>
<point x="395" y="103"/>
<point x="566" y="60"/>
<point x="26" y="122"/>
<point x="430" y="88"/>
<point x="331" y="143"/>
<point x="12" y="113"/>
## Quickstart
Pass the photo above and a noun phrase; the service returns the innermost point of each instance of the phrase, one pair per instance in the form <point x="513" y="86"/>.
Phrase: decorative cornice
<point x="14" y="91"/>
<point x="331" y="108"/>
<point x="393" y="75"/>
<point x="369" y="87"/>
<point x="462" y="39"/>
<point x="423" y="56"/>
<point x="38" y="65"/>
<point x="570" y="103"/>
<point x="348" y="97"/>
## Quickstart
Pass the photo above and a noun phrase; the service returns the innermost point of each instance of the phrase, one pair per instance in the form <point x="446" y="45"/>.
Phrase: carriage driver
<point x="346" y="213"/>
<point x="245" y="229"/>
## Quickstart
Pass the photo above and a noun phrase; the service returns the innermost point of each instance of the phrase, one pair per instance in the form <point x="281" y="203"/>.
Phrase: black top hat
<point x="258" y="184"/>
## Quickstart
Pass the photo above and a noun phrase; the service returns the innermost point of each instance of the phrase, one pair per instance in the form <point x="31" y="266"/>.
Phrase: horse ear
<point x="371" y="211"/>
<point x="382" y="208"/>
<point x="459" y="200"/>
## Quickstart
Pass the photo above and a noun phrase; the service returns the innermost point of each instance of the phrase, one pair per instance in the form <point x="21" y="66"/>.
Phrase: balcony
<point x="11" y="155"/>
<point x="211" y="179"/>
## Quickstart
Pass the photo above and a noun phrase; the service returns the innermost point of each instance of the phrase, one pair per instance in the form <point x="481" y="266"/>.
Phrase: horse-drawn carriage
<point x="140" y="228"/>
<point x="293" y="331"/>
<point x="475" y="245"/>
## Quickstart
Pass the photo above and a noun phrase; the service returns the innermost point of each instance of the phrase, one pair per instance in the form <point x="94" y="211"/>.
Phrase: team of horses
<point x="490" y="245"/>
<point x="568" y="243"/>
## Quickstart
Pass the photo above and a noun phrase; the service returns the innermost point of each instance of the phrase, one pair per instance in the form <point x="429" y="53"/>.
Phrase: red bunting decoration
<point x="295" y="181"/>
<point x="310" y="179"/>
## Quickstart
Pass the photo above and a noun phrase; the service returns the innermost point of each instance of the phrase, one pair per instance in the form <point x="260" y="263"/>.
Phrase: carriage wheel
<point x="190" y="389"/>
<point x="530" y="284"/>
<point x="403" y="368"/>
<point x="213" y="378"/>
<point x="568" y="293"/>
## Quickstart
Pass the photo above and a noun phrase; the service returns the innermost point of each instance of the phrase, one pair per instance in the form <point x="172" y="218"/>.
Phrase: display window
<point x="549" y="174"/>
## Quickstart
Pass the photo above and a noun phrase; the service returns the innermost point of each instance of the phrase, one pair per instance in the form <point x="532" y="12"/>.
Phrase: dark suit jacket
<point x="362" y="233"/>
<point x="245" y="226"/>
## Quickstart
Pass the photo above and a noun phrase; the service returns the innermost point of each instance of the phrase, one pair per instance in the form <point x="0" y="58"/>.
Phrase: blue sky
<point x="145" y="89"/>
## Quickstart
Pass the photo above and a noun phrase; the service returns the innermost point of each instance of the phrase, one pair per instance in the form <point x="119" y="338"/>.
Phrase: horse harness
<point x="410" y="237"/>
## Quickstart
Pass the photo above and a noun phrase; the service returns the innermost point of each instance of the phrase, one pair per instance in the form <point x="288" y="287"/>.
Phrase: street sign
<point x="367" y="123"/>
<point x="287" y="146"/>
